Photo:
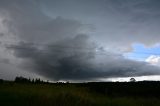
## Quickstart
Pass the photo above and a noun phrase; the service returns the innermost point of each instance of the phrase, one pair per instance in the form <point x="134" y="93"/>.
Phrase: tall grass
<point x="64" y="95"/>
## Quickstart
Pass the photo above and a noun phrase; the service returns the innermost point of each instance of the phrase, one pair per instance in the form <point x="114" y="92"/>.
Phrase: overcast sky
<point x="80" y="40"/>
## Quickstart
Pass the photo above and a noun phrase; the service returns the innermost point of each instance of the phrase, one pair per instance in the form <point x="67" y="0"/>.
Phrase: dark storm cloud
<point x="76" y="59"/>
<point x="117" y="22"/>
<point x="30" y="24"/>
<point x="52" y="40"/>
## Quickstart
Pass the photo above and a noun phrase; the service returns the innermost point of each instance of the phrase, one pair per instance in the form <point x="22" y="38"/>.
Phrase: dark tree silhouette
<point x="22" y="80"/>
<point x="26" y="80"/>
<point x="1" y="80"/>
<point x="132" y="80"/>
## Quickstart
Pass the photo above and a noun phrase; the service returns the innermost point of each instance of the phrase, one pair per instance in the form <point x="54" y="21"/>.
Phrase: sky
<point x="80" y="40"/>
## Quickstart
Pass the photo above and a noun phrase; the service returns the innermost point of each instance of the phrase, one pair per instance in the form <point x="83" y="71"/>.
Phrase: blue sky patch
<point x="141" y="52"/>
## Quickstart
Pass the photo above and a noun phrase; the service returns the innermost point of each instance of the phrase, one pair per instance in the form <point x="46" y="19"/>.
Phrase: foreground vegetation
<point x="82" y="94"/>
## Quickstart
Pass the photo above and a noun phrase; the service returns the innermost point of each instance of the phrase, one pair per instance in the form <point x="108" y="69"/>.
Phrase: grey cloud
<point x="52" y="30"/>
<point x="30" y="24"/>
<point x="119" y="22"/>
<point x="3" y="60"/>
<point x="78" y="60"/>
<point x="1" y="34"/>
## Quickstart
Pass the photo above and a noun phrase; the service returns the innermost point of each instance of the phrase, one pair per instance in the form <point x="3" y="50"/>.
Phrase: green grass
<point x="64" y="95"/>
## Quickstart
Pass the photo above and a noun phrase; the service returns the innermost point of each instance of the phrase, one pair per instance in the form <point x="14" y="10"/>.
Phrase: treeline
<point x="20" y="79"/>
<point x="112" y="89"/>
<point x="28" y="80"/>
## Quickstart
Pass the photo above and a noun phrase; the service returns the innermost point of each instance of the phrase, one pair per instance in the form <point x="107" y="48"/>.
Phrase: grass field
<point x="18" y="94"/>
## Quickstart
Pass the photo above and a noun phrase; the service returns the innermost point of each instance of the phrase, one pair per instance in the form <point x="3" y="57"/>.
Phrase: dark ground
<point x="80" y="94"/>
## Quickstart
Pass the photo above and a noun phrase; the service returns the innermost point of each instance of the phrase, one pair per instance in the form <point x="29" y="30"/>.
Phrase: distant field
<point x="84" y="94"/>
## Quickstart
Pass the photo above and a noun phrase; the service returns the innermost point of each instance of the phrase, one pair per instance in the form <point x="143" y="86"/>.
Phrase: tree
<point x="132" y="80"/>
<point x="22" y="80"/>
<point x="1" y="80"/>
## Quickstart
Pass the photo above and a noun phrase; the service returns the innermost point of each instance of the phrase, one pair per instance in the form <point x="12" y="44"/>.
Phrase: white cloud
<point x="154" y="60"/>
